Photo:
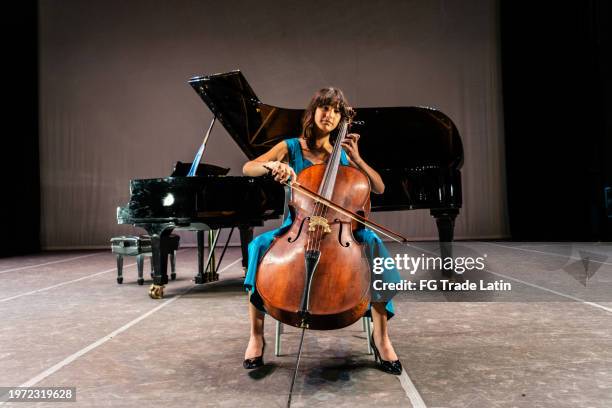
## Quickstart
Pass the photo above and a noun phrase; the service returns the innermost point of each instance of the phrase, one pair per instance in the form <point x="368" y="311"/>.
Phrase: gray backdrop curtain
<point x="115" y="104"/>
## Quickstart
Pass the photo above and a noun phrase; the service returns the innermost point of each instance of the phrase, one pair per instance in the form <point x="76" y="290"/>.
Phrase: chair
<point x="367" y="327"/>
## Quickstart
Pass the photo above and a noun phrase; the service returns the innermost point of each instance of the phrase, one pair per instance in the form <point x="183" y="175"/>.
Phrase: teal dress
<point x="260" y="244"/>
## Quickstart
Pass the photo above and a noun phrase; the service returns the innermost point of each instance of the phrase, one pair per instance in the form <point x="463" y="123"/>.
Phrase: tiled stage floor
<point x="548" y="343"/>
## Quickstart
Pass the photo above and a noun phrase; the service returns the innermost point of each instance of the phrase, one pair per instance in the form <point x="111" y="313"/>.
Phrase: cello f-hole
<point x="340" y="234"/>
<point x="299" y="231"/>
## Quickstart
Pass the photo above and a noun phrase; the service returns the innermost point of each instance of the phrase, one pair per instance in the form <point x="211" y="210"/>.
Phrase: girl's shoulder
<point x="293" y="141"/>
<point x="293" y="145"/>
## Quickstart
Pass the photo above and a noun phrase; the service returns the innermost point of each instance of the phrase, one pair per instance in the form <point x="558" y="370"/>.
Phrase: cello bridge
<point x="316" y="220"/>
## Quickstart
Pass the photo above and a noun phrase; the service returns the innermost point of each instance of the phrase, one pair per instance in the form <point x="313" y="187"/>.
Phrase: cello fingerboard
<point x="331" y="171"/>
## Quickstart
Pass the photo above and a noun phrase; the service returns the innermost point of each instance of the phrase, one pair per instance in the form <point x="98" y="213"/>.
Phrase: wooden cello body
<point x="316" y="275"/>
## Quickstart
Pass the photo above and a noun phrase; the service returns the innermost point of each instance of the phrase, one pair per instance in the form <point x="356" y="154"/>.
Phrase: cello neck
<point x="326" y="188"/>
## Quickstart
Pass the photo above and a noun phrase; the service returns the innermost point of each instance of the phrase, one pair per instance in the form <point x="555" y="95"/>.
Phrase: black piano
<point x="420" y="170"/>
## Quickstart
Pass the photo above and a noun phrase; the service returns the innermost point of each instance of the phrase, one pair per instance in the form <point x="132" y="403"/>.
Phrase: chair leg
<point x="140" y="265"/>
<point x="152" y="268"/>
<point x="173" y="265"/>
<point x="368" y="330"/>
<point x="119" y="268"/>
<point x="277" y="340"/>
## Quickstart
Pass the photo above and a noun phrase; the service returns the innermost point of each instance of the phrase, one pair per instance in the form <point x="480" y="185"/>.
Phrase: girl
<point x="325" y="111"/>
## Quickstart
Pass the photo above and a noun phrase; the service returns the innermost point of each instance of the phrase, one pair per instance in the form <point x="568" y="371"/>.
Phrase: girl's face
<point x="327" y="118"/>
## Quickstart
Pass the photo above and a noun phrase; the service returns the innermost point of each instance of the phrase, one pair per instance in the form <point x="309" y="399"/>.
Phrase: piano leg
<point x="160" y="247"/>
<point x="211" y="270"/>
<point x="199" y="278"/>
<point x="207" y="270"/>
<point x="246" y="236"/>
<point x="445" y="220"/>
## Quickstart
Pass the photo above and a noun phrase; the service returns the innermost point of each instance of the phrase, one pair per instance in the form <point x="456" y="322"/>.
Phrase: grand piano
<point x="420" y="167"/>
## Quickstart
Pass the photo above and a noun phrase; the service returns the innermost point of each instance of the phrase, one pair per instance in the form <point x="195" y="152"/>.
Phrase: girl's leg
<point x="381" y="336"/>
<point x="256" y="318"/>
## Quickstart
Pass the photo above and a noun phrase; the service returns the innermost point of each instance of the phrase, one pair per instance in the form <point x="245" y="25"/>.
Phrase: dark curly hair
<point x="326" y="96"/>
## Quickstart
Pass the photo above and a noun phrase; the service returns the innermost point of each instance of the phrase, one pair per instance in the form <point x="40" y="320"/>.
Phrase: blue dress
<point x="260" y="244"/>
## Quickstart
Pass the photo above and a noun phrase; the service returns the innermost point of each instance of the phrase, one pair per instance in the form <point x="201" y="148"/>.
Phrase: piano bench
<point x="140" y="246"/>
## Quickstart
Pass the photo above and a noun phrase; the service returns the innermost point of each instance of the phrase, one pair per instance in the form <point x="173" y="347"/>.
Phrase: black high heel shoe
<point x="391" y="367"/>
<point x="251" y="363"/>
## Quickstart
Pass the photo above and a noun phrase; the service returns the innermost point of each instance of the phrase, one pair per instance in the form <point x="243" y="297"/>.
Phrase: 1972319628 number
<point x="38" y="394"/>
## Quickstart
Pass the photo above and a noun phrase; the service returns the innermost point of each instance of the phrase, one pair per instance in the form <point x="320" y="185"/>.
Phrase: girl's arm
<point x="274" y="159"/>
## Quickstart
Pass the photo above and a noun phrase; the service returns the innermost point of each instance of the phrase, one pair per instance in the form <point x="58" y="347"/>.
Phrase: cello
<point x="316" y="275"/>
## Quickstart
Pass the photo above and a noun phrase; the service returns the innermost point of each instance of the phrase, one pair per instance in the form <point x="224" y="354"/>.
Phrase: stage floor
<point x="67" y="323"/>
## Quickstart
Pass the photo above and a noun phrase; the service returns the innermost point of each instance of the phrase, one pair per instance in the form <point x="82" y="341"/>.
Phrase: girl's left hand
<point x="350" y="146"/>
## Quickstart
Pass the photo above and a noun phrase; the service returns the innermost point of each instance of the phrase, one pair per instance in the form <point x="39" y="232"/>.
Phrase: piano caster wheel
<point x="156" y="291"/>
<point x="120" y="280"/>
<point x="173" y="276"/>
<point x="140" y="281"/>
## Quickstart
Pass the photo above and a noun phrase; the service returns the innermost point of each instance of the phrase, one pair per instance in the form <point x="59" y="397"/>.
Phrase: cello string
<point x="320" y="209"/>
<point x="336" y="151"/>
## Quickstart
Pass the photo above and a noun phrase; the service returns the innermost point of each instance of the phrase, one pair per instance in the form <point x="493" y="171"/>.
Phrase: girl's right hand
<point x="282" y="172"/>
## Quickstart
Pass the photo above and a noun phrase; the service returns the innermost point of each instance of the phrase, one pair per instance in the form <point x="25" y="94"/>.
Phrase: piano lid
<point x="391" y="137"/>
